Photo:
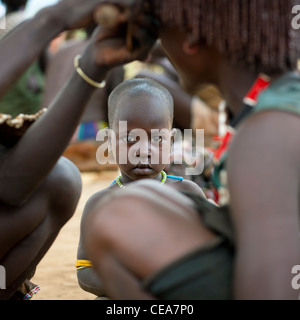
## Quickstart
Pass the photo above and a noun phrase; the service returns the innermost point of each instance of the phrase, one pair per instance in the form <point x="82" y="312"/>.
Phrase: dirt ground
<point x="56" y="273"/>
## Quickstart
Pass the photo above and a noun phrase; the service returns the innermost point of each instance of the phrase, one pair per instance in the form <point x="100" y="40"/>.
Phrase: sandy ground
<point x="56" y="273"/>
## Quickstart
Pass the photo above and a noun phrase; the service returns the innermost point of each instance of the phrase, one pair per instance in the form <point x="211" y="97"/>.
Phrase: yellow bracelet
<point x="86" y="78"/>
<point x="83" y="264"/>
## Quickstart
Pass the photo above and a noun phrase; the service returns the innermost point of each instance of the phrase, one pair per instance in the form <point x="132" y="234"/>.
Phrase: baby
<point x="140" y="113"/>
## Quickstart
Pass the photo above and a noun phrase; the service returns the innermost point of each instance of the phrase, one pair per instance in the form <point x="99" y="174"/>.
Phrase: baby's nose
<point x="145" y="150"/>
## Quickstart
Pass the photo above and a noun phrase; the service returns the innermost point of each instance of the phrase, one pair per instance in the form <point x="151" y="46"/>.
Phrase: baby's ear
<point x="173" y="135"/>
<point x="108" y="134"/>
<point x="173" y="132"/>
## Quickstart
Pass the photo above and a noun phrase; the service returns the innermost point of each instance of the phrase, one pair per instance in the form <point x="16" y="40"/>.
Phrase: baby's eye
<point x="157" y="139"/>
<point x="129" y="139"/>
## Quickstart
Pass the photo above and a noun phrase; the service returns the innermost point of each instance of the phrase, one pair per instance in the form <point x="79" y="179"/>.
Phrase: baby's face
<point x="142" y="129"/>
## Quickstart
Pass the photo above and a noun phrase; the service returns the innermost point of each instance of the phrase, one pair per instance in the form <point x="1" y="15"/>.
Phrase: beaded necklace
<point x="163" y="180"/>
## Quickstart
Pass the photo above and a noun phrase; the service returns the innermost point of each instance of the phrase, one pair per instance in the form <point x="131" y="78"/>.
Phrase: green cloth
<point x="26" y="95"/>
<point x="204" y="274"/>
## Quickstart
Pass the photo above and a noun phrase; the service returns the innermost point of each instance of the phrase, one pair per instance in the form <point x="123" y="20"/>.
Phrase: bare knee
<point x="134" y="222"/>
<point x="104" y="226"/>
<point x="53" y="203"/>
<point x="64" y="188"/>
<point x="128" y="213"/>
<point x="126" y="219"/>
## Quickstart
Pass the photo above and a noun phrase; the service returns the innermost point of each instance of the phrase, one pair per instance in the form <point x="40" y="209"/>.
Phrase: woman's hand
<point x="72" y="14"/>
<point x="130" y="39"/>
<point x="75" y="14"/>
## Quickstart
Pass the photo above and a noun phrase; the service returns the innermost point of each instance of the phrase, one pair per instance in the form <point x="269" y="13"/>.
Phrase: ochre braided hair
<point x="257" y="34"/>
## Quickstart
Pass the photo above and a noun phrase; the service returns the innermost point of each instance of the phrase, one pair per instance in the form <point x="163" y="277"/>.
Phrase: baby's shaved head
<point x="139" y="87"/>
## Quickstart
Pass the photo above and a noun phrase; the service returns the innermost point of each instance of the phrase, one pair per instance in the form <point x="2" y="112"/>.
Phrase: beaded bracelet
<point x="86" y="78"/>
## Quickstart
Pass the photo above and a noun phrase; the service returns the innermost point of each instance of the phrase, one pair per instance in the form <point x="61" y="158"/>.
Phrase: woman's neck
<point x="234" y="84"/>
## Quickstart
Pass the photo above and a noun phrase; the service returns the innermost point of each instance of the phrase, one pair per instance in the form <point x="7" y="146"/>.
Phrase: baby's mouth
<point x="142" y="169"/>
<point x="143" y="166"/>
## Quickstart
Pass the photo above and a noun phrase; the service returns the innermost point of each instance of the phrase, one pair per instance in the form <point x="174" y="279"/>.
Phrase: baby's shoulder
<point x="186" y="185"/>
<point x="191" y="186"/>
<point x="95" y="198"/>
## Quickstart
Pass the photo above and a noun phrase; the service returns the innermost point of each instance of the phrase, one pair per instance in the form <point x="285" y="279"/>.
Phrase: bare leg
<point x="130" y="238"/>
<point x="27" y="232"/>
<point x="119" y="282"/>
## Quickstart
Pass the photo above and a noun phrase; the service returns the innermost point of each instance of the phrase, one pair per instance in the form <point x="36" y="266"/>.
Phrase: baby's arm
<point x="88" y="280"/>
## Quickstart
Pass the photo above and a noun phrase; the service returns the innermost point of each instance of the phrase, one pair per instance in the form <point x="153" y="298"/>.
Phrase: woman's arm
<point x="27" y="42"/>
<point x="26" y="165"/>
<point x="263" y="176"/>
